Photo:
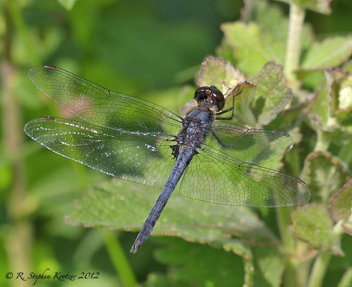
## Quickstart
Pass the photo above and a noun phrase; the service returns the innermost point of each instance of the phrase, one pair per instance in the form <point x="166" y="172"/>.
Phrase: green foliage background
<point x="154" y="50"/>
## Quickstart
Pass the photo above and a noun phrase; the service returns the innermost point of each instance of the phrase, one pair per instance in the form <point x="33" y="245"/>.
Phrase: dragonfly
<point x="207" y="156"/>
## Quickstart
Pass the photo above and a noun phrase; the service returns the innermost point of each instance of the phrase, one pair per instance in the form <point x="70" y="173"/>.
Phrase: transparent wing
<point x="103" y="107"/>
<point x="249" y="144"/>
<point x="213" y="176"/>
<point x="144" y="159"/>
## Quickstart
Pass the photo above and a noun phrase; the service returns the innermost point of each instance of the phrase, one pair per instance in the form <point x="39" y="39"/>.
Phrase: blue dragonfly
<point x="126" y="137"/>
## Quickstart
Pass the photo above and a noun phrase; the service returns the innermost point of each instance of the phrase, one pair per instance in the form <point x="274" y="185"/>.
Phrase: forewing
<point x="216" y="177"/>
<point x="144" y="159"/>
<point x="100" y="106"/>
<point x="249" y="144"/>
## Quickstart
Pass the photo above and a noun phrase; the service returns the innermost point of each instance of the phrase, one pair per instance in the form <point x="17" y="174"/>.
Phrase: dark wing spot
<point x="50" y="67"/>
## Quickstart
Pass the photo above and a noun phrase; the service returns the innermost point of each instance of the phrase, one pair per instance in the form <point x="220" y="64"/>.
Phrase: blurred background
<point x="149" y="49"/>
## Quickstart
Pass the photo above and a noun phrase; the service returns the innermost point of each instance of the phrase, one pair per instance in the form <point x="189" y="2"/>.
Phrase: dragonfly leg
<point x="219" y="141"/>
<point x="228" y="110"/>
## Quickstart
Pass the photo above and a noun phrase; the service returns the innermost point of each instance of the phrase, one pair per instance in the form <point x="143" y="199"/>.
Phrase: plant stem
<point x="19" y="238"/>
<point x="118" y="258"/>
<point x="293" y="49"/>
<point x="22" y="30"/>
<point x="284" y="221"/>
<point x="322" y="142"/>
<point x="319" y="268"/>
<point x="346" y="279"/>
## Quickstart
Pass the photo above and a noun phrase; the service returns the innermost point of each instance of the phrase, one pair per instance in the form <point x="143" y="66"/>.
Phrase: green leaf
<point x="219" y="73"/>
<point x="269" y="266"/>
<point x="124" y="206"/>
<point x="331" y="108"/>
<point x="320" y="6"/>
<point x="332" y="98"/>
<point x="320" y="104"/>
<point x="241" y="249"/>
<point x="348" y="67"/>
<point x="333" y="51"/>
<point x="193" y="265"/>
<point x="225" y="51"/>
<point x="269" y="15"/>
<point x="345" y="93"/>
<point x="252" y="46"/>
<point x="325" y="174"/>
<point x="157" y="280"/>
<point x="271" y="95"/>
<point x="340" y="207"/>
<point x="311" y="223"/>
<point x="67" y="4"/>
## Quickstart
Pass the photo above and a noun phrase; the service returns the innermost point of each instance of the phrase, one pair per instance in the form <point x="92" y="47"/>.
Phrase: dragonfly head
<point x="209" y="97"/>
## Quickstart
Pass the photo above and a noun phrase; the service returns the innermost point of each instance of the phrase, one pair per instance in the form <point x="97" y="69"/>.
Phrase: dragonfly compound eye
<point x="211" y="96"/>
<point x="220" y="99"/>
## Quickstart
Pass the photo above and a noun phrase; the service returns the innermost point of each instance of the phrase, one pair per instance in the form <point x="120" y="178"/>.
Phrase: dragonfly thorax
<point x="210" y="97"/>
<point x="195" y="128"/>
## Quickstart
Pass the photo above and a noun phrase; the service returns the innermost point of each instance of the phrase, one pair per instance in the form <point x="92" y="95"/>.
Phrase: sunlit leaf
<point x="325" y="174"/>
<point x="268" y="15"/>
<point x="320" y="6"/>
<point x="329" y="53"/>
<point x="253" y="46"/>
<point x="193" y="264"/>
<point x="311" y="223"/>
<point x="219" y="73"/>
<point x="340" y="207"/>
<point x="124" y="206"/>
<point x="320" y="103"/>
<point x="271" y="95"/>
<point x="269" y="266"/>
<point x="68" y="4"/>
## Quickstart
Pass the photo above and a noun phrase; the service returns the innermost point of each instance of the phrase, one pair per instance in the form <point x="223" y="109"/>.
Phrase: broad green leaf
<point x="241" y="249"/>
<point x="331" y="108"/>
<point x="345" y="93"/>
<point x="320" y="6"/>
<point x="340" y="207"/>
<point x="334" y="78"/>
<point x="320" y="103"/>
<point x="269" y="15"/>
<point x="125" y="206"/>
<point x="271" y="95"/>
<point x="219" y="73"/>
<point x="348" y="67"/>
<point x="225" y="51"/>
<point x="253" y="46"/>
<point x="344" y="109"/>
<point x="325" y="174"/>
<point x="311" y="223"/>
<point x="331" y="52"/>
<point x="261" y="104"/>
<point x="201" y="265"/>
<point x="338" y="134"/>
<point x="332" y="97"/>
<point x="67" y="4"/>
<point x="269" y="266"/>
<point x="291" y="115"/>
<point x="311" y="79"/>
<point x="157" y="280"/>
